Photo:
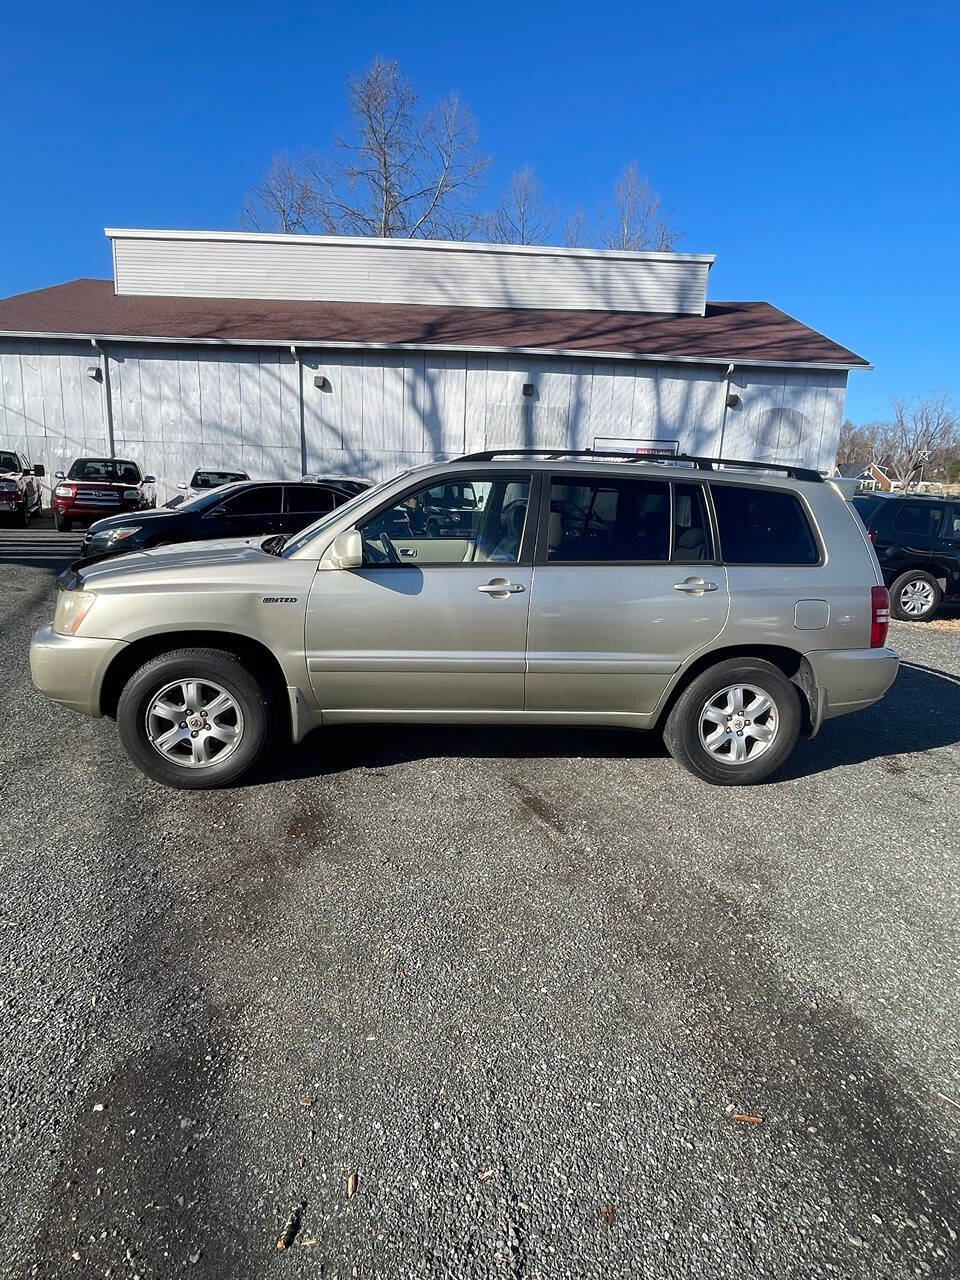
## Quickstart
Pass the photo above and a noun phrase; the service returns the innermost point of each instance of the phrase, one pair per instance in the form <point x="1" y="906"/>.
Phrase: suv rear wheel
<point x="915" y="596"/>
<point x="736" y="723"/>
<point x="194" y="718"/>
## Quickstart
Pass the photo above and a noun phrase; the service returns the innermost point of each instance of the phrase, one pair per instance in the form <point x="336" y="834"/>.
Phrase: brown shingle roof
<point x="737" y="331"/>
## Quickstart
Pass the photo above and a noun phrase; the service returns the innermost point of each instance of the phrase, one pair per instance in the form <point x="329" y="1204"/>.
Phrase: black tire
<point x="681" y="732"/>
<point x="923" y="583"/>
<point x="22" y="517"/>
<point x="61" y="524"/>
<point x="220" y="668"/>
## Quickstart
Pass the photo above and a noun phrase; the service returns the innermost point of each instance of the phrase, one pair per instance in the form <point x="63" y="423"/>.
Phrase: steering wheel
<point x="380" y="551"/>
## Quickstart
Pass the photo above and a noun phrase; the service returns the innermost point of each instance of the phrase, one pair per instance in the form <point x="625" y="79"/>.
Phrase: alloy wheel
<point x="194" y="723"/>
<point x="916" y="597"/>
<point x="738" y="723"/>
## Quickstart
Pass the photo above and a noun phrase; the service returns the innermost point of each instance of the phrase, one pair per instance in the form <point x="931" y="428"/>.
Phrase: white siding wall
<point x="178" y="408"/>
<point x="361" y="269"/>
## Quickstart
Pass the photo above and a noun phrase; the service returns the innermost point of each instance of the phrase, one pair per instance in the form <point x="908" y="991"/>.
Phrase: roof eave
<point x="340" y="345"/>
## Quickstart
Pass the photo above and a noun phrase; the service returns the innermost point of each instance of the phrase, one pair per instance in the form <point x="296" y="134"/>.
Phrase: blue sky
<point x="814" y="148"/>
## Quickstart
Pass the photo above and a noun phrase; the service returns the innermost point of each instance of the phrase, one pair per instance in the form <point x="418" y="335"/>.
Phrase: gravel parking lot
<point x="473" y="1003"/>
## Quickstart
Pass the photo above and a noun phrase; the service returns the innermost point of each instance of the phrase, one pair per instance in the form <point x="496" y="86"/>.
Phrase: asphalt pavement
<point x="479" y="1003"/>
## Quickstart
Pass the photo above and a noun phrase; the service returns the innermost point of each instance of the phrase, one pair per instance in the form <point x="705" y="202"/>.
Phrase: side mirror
<point x="39" y="470"/>
<point x="58" y="475"/>
<point x="346" y="551"/>
<point x="181" y="484"/>
<point x="149" y="479"/>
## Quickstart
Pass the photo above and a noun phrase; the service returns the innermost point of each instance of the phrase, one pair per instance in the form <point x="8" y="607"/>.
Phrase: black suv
<point x="917" y="540"/>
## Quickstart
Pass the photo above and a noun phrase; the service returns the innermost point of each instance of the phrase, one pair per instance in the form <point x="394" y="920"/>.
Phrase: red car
<point x="20" y="494"/>
<point x="98" y="487"/>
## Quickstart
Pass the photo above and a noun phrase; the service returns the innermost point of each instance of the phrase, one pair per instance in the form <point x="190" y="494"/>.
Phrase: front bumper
<point x="70" y="669"/>
<point x="850" y="679"/>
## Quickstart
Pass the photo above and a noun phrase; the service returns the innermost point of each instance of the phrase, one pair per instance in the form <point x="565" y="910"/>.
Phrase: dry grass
<point x="935" y="624"/>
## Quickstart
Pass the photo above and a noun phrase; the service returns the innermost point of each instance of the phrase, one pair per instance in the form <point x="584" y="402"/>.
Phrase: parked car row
<point x="733" y="608"/>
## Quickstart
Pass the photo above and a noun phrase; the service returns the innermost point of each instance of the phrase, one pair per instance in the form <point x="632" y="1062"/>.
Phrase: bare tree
<point x="575" y="229"/>
<point x="523" y="215"/>
<point x="923" y="431"/>
<point x="862" y="442"/>
<point x="397" y="172"/>
<point x="283" y="200"/>
<point x="638" y="221"/>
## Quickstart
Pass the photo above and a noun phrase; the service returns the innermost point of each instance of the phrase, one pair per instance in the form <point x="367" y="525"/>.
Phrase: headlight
<point x="131" y="495"/>
<point x="72" y="608"/>
<point x="107" y="537"/>
<point x="65" y="491"/>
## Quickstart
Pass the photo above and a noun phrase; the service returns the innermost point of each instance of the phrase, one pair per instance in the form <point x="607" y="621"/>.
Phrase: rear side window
<point x="310" y="499"/>
<point x="691" y="528"/>
<point x="923" y="518"/>
<point x="763" y="526"/>
<point x="608" y="520"/>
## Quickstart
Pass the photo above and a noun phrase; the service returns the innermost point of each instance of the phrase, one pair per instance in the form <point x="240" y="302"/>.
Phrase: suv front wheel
<point x="736" y="723"/>
<point x="194" y="718"/>
<point x="915" y="596"/>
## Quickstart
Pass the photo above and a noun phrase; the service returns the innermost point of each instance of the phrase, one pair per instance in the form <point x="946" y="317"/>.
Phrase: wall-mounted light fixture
<point x="321" y="383"/>
<point x="528" y="388"/>
<point x="95" y="372"/>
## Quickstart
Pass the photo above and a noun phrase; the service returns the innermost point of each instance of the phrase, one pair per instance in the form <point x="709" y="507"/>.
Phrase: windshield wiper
<point x="273" y="545"/>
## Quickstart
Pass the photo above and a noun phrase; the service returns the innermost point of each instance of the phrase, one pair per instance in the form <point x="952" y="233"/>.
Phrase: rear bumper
<point x="70" y="669"/>
<point x="850" y="679"/>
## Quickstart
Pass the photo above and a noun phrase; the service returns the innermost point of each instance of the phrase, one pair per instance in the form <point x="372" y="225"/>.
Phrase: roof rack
<point x="652" y="455"/>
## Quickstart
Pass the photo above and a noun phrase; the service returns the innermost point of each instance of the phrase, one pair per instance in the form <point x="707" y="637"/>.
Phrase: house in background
<point x="280" y="355"/>
<point x="873" y="477"/>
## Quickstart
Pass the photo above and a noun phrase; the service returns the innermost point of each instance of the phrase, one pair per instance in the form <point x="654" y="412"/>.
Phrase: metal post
<point x="303" y="433"/>
<point x="723" y="419"/>
<point x="106" y="395"/>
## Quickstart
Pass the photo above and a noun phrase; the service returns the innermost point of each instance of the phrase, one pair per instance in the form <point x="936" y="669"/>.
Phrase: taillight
<point x="879" y="616"/>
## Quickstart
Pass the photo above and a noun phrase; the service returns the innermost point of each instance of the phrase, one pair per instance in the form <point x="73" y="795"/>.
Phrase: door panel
<point x="399" y="638"/>
<point x="609" y="637"/>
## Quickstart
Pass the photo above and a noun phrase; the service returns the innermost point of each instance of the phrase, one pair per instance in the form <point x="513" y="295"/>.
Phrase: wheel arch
<point x="938" y="571"/>
<point x="792" y="663"/>
<point x="252" y="652"/>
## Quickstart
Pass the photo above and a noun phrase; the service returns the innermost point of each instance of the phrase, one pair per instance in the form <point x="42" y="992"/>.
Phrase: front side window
<point x="920" y="518"/>
<point x="456" y="522"/>
<point x="252" y="502"/>
<point x="763" y="526"/>
<point x="603" y="519"/>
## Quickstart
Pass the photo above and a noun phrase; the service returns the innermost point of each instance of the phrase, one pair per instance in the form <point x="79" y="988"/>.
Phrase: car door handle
<point x="409" y="552"/>
<point x="694" y="586"/>
<point x="501" y="587"/>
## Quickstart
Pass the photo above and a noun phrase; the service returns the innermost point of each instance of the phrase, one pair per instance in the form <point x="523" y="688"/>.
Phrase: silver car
<point x="731" y="606"/>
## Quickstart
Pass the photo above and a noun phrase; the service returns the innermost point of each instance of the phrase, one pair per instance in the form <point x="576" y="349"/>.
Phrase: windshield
<point x="213" y="479"/>
<point x="317" y="528"/>
<point x="212" y="497"/>
<point x="105" y="470"/>
<point x="8" y="461"/>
